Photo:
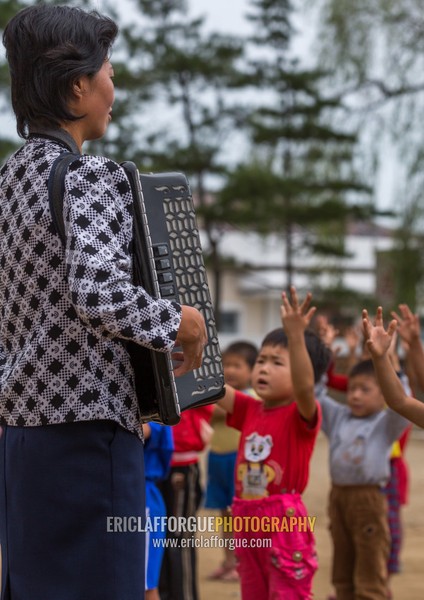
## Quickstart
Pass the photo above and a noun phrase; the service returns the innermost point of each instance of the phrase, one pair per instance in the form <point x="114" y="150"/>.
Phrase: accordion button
<point x="163" y="263"/>
<point x="160" y="250"/>
<point x="165" y="277"/>
<point x="167" y="290"/>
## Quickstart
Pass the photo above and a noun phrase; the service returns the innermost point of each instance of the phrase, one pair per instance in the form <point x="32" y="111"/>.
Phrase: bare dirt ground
<point x="408" y="585"/>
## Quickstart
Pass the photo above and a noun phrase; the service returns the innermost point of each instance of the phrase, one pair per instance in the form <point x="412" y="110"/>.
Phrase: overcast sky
<point x="226" y="15"/>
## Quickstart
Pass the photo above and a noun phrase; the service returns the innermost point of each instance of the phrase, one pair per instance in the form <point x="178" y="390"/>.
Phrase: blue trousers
<point x="60" y="488"/>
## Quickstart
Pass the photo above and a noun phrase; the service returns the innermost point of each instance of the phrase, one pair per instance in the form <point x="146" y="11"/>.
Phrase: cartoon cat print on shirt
<point x="255" y="474"/>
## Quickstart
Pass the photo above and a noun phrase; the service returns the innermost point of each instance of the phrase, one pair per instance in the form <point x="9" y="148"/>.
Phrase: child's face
<point x="271" y="376"/>
<point x="364" y="397"/>
<point x="237" y="371"/>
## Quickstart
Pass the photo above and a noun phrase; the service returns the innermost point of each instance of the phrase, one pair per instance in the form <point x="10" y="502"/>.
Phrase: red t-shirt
<point x="337" y="381"/>
<point x="275" y="448"/>
<point x="191" y="435"/>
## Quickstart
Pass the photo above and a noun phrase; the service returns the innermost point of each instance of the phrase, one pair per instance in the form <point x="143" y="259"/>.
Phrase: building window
<point x="229" y="321"/>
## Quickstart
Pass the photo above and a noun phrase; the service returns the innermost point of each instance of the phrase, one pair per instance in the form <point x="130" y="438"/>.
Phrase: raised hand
<point x="352" y="338"/>
<point x="296" y="316"/>
<point x="378" y="339"/>
<point x="410" y="332"/>
<point x="408" y="324"/>
<point x="326" y="331"/>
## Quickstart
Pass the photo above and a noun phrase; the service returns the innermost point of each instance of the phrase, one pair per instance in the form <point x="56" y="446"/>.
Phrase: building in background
<point x="251" y="289"/>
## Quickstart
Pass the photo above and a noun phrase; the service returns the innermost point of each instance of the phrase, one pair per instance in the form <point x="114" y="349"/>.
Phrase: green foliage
<point x="172" y="107"/>
<point x="272" y="22"/>
<point x="183" y="96"/>
<point x="375" y="51"/>
<point x="337" y="299"/>
<point x="6" y="148"/>
<point x="8" y="9"/>
<point x="8" y="144"/>
<point x="302" y="175"/>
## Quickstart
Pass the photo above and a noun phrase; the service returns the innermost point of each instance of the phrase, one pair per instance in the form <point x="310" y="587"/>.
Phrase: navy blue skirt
<point x="63" y="488"/>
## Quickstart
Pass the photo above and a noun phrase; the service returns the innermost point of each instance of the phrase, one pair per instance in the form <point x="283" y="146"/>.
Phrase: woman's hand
<point x="192" y="338"/>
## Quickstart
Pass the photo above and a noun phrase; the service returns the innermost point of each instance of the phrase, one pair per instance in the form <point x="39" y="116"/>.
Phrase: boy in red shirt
<point x="277" y="440"/>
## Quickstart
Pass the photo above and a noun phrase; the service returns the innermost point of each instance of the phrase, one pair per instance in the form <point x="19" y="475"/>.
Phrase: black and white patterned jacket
<point x="66" y="313"/>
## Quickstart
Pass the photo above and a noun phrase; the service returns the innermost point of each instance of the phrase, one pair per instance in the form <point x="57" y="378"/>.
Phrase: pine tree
<point x="185" y="77"/>
<point x="301" y="175"/>
<point x="7" y="143"/>
<point x="375" y="52"/>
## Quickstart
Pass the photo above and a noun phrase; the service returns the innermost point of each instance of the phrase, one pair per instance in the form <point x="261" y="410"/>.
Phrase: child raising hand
<point x="278" y="434"/>
<point x="378" y="340"/>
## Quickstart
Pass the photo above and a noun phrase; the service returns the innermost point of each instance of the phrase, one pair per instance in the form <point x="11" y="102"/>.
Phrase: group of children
<point x="263" y="469"/>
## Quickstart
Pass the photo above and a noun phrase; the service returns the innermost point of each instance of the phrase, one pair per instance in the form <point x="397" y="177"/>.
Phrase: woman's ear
<point x="77" y="96"/>
<point x="79" y="87"/>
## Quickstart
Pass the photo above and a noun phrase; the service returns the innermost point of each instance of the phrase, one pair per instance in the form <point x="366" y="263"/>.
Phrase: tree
<point x="8" y="9"/>
<point x="302" y="173"/>
<point x="375" y="50"/>
<point x="172" y="109"/>
<point x="187" y="74"/>
<point x="178" y="105"/>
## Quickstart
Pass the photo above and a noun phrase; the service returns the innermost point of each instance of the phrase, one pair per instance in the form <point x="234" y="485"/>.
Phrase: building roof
<point x="262" y="260"/>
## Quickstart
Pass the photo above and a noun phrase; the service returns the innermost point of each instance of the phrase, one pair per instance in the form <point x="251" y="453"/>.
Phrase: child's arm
<point x="147" y="431"/>
<point x="227" y="402"/>
<point x="295" y="319"/>
<point x="410" y="331"/>
<point x="378" y="341"/>
<point x="352" y="340"/>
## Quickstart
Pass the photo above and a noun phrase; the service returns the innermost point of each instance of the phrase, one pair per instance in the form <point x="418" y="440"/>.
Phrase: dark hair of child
<point x="246" y="350"/>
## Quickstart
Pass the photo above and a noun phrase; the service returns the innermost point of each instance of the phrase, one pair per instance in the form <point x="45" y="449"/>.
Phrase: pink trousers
<point x="277" y="564"/>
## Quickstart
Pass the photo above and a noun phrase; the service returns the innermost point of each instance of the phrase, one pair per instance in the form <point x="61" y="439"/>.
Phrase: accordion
<point x="168" y="263"/>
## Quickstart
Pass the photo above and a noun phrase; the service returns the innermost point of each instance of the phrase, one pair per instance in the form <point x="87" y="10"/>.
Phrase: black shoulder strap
<point x="56" y="188"/>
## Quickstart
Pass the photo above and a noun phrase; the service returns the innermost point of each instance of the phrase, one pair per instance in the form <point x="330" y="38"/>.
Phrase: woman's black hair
<point x="48" y="48"/>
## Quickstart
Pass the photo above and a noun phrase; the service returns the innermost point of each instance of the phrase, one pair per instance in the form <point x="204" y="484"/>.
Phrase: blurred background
<point x="299" y="126"/>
